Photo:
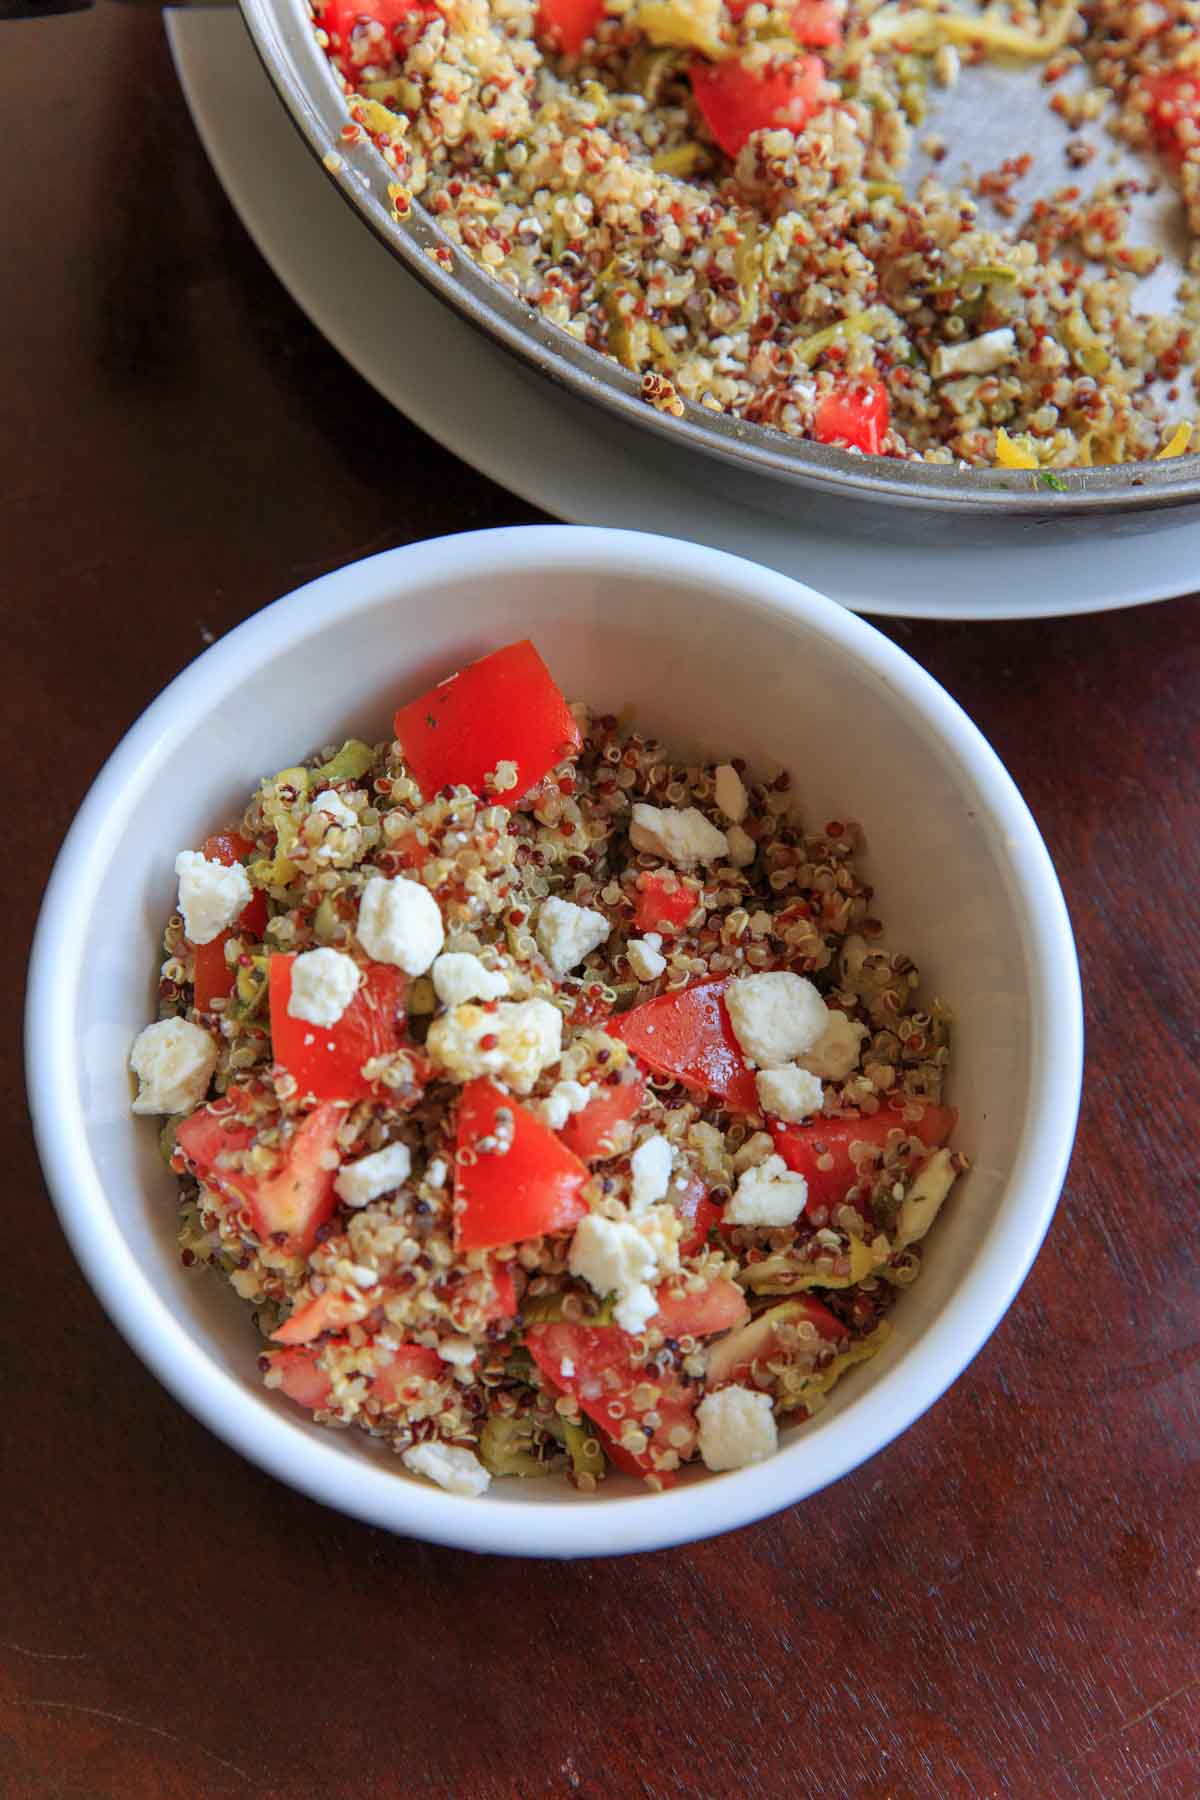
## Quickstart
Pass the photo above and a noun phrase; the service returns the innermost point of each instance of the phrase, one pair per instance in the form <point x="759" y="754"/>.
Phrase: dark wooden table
<point x="1004" y="1604"/>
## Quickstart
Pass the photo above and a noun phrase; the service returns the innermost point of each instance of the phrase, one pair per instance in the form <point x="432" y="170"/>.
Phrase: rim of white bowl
<point x="575" y="1526"/>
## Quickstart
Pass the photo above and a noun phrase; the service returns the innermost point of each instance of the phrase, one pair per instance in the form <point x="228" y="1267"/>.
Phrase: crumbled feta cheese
<point x="923" y="1201"/>
<point x="776" y="1016"/>
<point x="335" y="808"/>
<point x="737" y="1427"/>
<point x="516" y="1041"/>
<point x="460" y="1352"/>
<point x="324" y="982"/>
<point x="836" y="1052"/>
<point x="566" y="1368"/>
<point x="650" y="1165"/>
<point x="742" y="847"/>
<point x="457" y="1470"/>
<point x="564" y="1099"/>
<point x="174" y="1062"/>
<point x="646" y="962"/>
<point x="382" y="1172"/>
<point x="755" y="1150"/>
<point x="616" y="1256"/>
<point x="790" y="1094"/>
<point x="399" y="922"/>
<point x="977" y="356"/>
<point x="769" y="1194"/>
<point x="211" y="895"/>
<point x="459" y="976"/>
<point x="731" y="793"/>
<point x="682" y="836"/>
<point x="566" y="933"/>
<point x="436" y="1173"/>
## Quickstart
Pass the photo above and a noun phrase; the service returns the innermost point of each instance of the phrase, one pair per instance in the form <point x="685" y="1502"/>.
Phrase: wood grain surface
<point x="1003" y="1605"/>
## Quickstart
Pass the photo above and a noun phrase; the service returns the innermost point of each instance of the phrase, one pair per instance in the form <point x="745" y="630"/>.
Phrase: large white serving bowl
<point x="715" y="656"/>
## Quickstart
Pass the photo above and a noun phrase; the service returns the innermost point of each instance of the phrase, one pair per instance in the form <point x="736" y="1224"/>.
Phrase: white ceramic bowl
<point x="716" y="655"/>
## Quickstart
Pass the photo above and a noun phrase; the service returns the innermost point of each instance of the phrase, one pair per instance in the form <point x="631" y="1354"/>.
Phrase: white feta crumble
<point x="977" y="356"/>
<point x="399" y="922"/>
<point x="564" y="1099"/>
<point x="527" y="1039"/>
<point x="211" y="895"/>
<point x="457" y="1470"/>
<point x="358" y="1183"/>
<point x="566" y="1368"/>
<point x="650" y="1165"/>
<point x="174" y="1062"/>
<point x="742" y="847"/>
<point x="768" y="1194"/>
<point x="437" y="1171"/>
<point x="617" y="1256"/>
<point x="791" y="1094"/>
<point x="324" y="982"/>
<point x="837" y="1051"/>
<point x="459" y="976"/>
<point x="682" y="836"/>
<point x="730" y="792"/>
<point x="776" y="1016"/>
<point x="566" y="933"/>
<point x="737" y="1427"/>
<point x="335" y="808"/>
<point x="646" y="962"/>
<point x="459" y="1352"/>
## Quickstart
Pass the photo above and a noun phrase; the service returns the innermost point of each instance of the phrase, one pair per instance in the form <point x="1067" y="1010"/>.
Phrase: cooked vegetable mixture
<point x="708" y="190"/>
<point x="554" y="1104"/>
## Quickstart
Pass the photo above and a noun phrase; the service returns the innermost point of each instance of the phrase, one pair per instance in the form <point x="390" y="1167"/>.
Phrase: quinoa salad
<point x="710" y="192"/>
<point x="555" y="1106"/>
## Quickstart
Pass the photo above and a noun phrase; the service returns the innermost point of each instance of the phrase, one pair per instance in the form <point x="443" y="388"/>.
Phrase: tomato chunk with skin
<point x="688" y="1036"/>
<point x="568" y="24"/>
<point x="303" y="1379"/>
<point x="212" y="976"/>
<point x="603" y="1372"/>
<point x="1174" y="110"/>
<point x="590" y="1133"/>
<point x="286" y="1208"/>
<point x="699" y="1214"/>
<point x="504" y="708"/>
<point x="306" y="1382"/>
<point x="402" y="20"/>
<point x="532" y="1189"/>
<point x="658" y="905"/>
<point x="719" y="1307"/>
<point x="855" y="413"/>
<point x="327" y="1060"/>
<point x="804" y="1147"/>
<point x="735" y="101"/>
<point x="815" y="22"/>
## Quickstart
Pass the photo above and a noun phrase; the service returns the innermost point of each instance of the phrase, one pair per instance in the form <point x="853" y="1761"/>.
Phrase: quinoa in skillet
<point x="554" y="1104"/>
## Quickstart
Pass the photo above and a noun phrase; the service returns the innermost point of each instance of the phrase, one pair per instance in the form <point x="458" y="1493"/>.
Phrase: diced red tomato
<point x="324" y="1312"/>
<point x="688" y="1036"/>
<point x="1174" y="110"/>
<point x="504" y="708"/>
<point x="659" y="905"/>
<point x="531" y="1190"/>
<point x="699" y="1214"/>
<point x="855" y="413"/>
<point x="403" y="21"/>
<point x="605" y="1374"/>
<point x="213" y="978"/>
<point x="815" y="22"/>
<point x="568" y="24"/>
<point x="505" y="1289"/>
<point x="735" y="101"/>
<point x="327" y="1060"/>
<point x="304" y="1381"/>
<point x="734" y="1357"/>
<point x="805" y="1147"/>
<point x="308" y="1384"/>
<point x="590" y="1133"/>
<point x="720" y="1307"/>
<point x="287" y="1208"/>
